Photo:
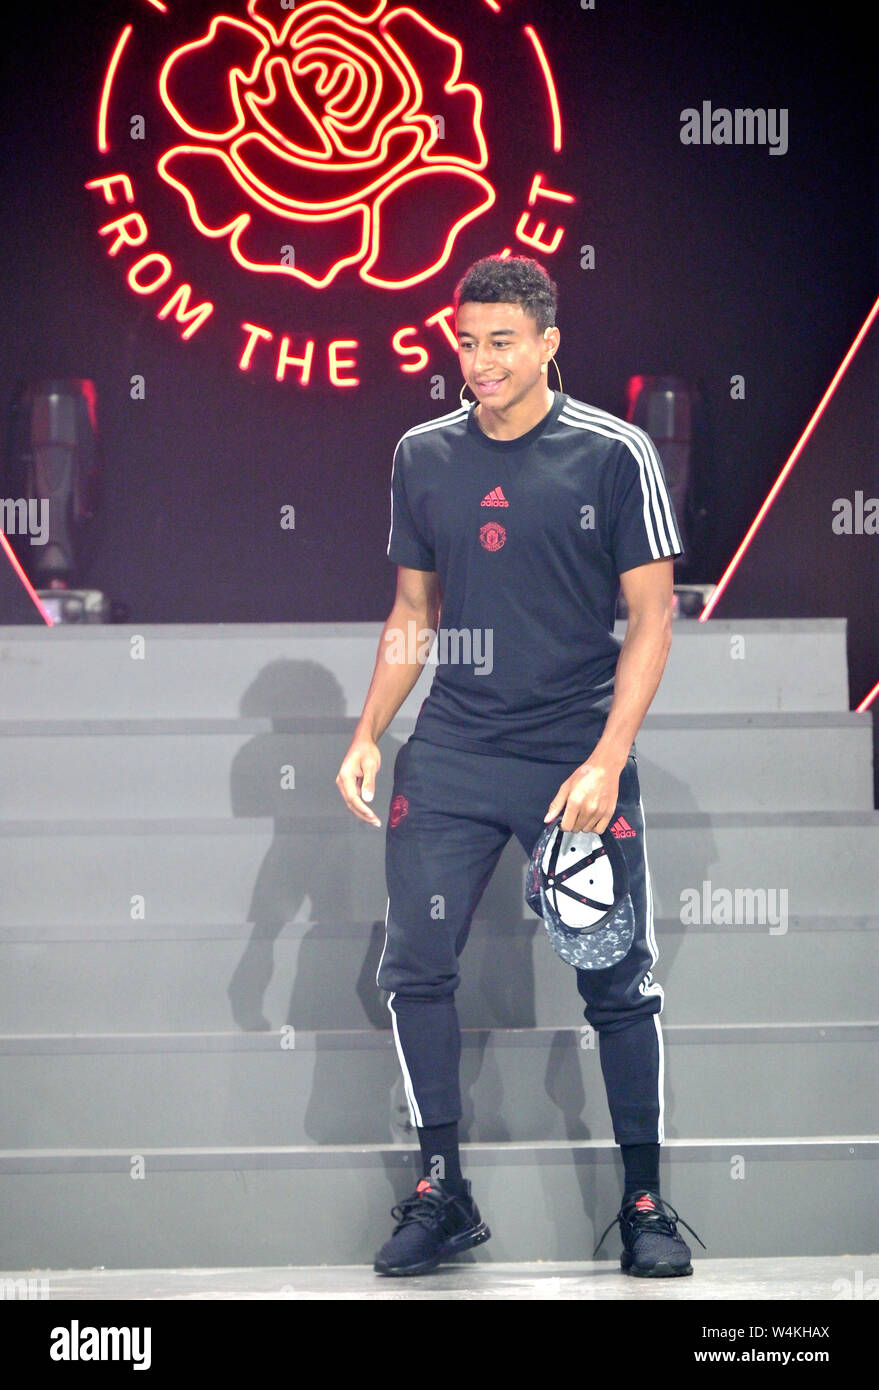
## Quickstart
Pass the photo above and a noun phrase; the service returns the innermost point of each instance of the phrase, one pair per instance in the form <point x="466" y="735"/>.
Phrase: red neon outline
<point x="407" y="107"/>
<point x="122" y="239"/>
<point x="358" y="62"/>
<point x="550" y="86"/>
<point x="236" y="228"/>
<point x="261" y="268"/>
<point x="113" y="178"/>
<point x="182" y="312"/>
<point x="285" y="360"/>
<point x="403" y="124"/>
<point x="158" y="5"/>
<point x="250" y="181"/>
<point x="233" y="79"/>
<point x="337" y="364"/>
<point x="279" y="36"/>
<point x="404" y="351"/>
<point x="462" y="221"/>
<point x="167" y="272"/>
<point x="493" y="5"/>
<point x="539" y="190"/>
<point x="780" y="480"/>
<point x="533" y="238"/>
<point x="256" y="103"/>
<point x="451" y="85"/>
<point x="29" y="588"/>
<point x="108" y="82"/>
<point x="254" y="330"/>
<point x="868" y="699"/>
<point x="441" y="319"/>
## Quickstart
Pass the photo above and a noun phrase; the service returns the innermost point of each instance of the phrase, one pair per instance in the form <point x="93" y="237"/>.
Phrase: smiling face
<point x="502" y="353"/>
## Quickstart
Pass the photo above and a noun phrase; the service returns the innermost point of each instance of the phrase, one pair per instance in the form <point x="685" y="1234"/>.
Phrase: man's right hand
<point x="356" y="778"/>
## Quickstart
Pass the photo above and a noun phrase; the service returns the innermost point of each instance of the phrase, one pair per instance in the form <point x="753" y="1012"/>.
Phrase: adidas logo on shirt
<point x="495" y="498"/>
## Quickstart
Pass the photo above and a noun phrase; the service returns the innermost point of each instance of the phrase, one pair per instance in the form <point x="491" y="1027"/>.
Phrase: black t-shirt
<point x="528" y="537"/>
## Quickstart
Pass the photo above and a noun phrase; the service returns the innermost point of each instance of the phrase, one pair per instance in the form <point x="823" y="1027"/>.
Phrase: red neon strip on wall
<point x="868" y="699"/>
<point x="29" y="588"/>
<point x="780" y="480"/>
<point x="550" y="87"/>
<point x="108" y="82"/>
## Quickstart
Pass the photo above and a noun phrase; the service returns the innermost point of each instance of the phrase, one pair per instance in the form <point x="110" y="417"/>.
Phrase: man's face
<point x="501" y="351"/>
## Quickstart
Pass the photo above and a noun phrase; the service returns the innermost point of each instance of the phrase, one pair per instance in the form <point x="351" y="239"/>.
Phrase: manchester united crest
<point x="492" y="535"/>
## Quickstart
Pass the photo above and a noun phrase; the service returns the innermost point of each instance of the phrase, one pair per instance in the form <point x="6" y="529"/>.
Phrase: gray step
<point x="552" y="1201"/>
<point x="322" y="975"/>
<point x="293" y="1087"/>
<point x="225" y="670"/>
<point x="152" y="769"/>
<point x="221" y="871"/>
<point x="814" y="1277"/>
<point x="756" y="762"/>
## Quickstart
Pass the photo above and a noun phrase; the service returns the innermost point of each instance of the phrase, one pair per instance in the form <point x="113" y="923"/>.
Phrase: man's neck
<point x="498" y="426"/>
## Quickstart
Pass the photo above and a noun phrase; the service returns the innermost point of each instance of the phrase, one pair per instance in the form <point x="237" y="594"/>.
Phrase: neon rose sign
<point x="326" y="129"/>
<point x="325" y="132"/>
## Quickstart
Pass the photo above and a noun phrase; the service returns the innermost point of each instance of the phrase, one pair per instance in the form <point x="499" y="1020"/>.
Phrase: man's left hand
<point x="589" y="797"/>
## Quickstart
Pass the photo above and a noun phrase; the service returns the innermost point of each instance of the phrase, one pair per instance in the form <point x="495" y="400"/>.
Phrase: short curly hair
<point x="511" y="280"/>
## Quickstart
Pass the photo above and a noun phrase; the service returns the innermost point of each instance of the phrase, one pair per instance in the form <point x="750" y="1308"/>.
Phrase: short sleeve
<point x="643" y="522"/>
<point x="406" y="546"/>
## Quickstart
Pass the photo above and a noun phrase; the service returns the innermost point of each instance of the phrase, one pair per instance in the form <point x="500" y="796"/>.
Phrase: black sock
<point x="641" y="1162"/>
<point x="441" y="1156"/>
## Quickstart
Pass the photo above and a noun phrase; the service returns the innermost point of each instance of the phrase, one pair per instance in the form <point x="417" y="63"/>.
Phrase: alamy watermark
<point x="857" y="516"/>
<point x="744" y="125"/>
<point x="23" y="1290"/>
<point x="735" y="907"/>
<point x="449" y="646"/>
<point x="25" y="516"/>
<point x="78" y="1343"/>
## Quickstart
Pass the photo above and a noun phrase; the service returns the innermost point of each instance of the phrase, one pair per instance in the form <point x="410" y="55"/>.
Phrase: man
<point x="521" y="515"/>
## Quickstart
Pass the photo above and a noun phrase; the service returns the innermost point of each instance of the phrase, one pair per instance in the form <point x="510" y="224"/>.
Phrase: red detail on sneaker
<point x="399" y="808"/>
<point x="621" y="829"/>
<point x="645" y="1203"/>
<point x="494" y="498"/>
<point x="423" y="1186"/>
<point x="492" y="535"/>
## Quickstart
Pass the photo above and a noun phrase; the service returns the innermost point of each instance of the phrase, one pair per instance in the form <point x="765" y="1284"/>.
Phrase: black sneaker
<point x="431" y="1225"/>
<point x="652" y="1248"/>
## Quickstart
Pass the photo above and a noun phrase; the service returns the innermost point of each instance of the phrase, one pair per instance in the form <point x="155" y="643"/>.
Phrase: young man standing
<point x="521" y="516"/>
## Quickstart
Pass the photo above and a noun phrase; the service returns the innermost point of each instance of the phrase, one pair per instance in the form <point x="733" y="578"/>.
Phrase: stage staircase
<point x="197" y="1068"/>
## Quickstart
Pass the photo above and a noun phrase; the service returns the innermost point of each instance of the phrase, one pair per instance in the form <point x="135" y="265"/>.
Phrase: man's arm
<point x="417" y="600"/>
<point x="649" y="594"/>
<point x="590" y="794"/>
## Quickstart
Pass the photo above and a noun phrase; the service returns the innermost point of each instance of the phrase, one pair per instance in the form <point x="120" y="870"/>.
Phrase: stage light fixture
<point x="663" y="406"/>
<point x="52" y="479"/>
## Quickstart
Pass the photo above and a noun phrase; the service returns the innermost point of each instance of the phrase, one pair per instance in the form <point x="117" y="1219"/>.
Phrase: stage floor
<point x="837" y="1278"/>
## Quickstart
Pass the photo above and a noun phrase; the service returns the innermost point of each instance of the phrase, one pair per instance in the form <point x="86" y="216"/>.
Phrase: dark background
<point x="710" y="261"/>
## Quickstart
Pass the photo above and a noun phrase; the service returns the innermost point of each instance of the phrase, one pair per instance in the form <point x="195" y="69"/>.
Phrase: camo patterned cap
<point x="578" y="883"/>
